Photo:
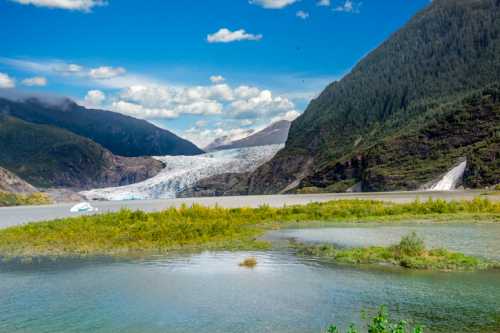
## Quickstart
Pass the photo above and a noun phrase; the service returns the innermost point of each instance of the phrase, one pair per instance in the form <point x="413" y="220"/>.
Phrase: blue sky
<point x="202" y="68"/>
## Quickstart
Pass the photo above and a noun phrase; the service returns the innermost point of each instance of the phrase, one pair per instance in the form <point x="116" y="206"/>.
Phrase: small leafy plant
<point x="382" y="323"/>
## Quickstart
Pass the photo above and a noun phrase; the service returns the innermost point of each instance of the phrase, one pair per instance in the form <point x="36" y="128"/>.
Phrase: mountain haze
<point x="274" y="134"/>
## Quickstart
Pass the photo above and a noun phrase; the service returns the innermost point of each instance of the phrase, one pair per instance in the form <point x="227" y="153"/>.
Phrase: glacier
<point x="181" y="172"/>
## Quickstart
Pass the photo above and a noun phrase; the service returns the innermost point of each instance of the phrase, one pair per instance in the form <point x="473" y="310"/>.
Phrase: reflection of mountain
<point x="183" y="171"/>
<point x="275" y="134"/>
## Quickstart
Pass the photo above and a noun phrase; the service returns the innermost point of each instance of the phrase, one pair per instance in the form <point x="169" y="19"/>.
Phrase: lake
<point x="209" y="292"/>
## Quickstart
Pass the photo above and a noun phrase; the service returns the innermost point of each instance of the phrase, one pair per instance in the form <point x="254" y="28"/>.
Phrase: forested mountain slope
<point x="122" y="135"/>
<point x="47" y="156"/>
<point x="406" y="113"/>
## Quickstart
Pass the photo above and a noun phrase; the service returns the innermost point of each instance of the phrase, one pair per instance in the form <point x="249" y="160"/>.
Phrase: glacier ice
<point x="184" y="171"/>
<point x="83" y="207"/>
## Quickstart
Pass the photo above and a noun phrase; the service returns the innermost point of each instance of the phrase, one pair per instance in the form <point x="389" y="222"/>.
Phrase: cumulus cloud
<point x="94" y="98"/>
<point x="302" y="14"/>
<point x="349" y="6"/>
<point x="80" y="5"/>
<point x="37" y="81"/>
<point x="323" y="3"/>
<point x="106" y="72"/>
<point x="273" y="4"/>
<point x="227" y="36"/>
<point x="6" y="81"/>
<point x="217" y="79"/>
<point x="290" y="116"/>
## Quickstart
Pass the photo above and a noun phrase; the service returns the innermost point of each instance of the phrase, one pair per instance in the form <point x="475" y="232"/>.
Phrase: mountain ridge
<point x="120" y="134"/>
<point x="444" y="53"/>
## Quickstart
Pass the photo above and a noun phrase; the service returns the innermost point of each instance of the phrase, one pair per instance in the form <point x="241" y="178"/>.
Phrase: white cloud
<point x="217" y="79"/>
<point x="323" y="3"/>
<point x="37" y="81"/>
<point x="227" y="36"/>
<point x="81" y="5"/>
<point x="273" y="4"/>
<point x="94" y="98"/>
<point x="302" y="14"/>
<point x="6" y="81"/>
<point x="349" y="6"/>
<point x="139" y="111"/>
<point x="106" y="72"/>
<point x="263" y="104"/>
<point x="290" y="116"/>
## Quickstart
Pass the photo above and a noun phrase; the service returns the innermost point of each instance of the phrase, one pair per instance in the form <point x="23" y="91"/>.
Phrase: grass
<point x="8" y="199"/>
<point x="202" y="228"/>
<point x="409" y="253"/>
<point x="249" y="262"/>
<point x="382" y="323"/>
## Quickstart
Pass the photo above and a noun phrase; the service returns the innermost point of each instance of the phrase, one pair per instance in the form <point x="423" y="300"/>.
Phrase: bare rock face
<point x="227" y="184"/>
<point x="9" y="182"/>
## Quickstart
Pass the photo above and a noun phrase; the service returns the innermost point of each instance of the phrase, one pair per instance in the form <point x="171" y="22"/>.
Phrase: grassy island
<point x="200" y="227"/>
<point x="409" y="253"/>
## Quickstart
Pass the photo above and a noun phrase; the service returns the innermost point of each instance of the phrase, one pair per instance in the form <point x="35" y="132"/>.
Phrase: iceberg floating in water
<point x="83" y="207"/>
<point x="450" y="181"/>
<point x="181" y="172"/>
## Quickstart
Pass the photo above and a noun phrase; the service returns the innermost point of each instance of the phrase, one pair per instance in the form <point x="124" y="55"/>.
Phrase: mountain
<point x="48" y="156"/>
<point x="9" y="182"/>
<point x="120" y="134"/>
<point x="275" y="134"/>
<point x="406" y="113"/>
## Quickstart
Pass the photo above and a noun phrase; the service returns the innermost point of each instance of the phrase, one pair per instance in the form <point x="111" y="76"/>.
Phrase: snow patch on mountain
<point x="182" y="172"/>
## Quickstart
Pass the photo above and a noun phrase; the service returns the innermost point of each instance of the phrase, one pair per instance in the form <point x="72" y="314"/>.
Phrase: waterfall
<point x="450" y="181"/>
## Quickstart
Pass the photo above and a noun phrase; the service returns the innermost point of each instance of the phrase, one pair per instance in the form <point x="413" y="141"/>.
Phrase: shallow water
<point x="209" y="292"/>
<point x="477" y="239"/>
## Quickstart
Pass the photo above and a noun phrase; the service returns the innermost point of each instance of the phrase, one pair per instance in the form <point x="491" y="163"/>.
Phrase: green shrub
<point x="411" y="245"/>
<point x="382" y="323"/>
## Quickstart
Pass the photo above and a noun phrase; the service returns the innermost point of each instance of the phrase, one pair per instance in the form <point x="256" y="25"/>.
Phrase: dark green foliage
<point x="398" y="120"/>
<point x="122" y="135"/>
<point x="47" y="156"/>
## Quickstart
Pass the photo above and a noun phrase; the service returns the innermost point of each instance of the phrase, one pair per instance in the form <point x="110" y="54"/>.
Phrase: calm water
<point x="479" y="239"/>
<point x="209" y="292"/>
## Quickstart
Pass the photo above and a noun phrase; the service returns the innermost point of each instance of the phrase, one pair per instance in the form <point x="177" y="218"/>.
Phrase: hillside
<point x="120" y="134"/>
<point x="47" y="156"/>
<point x="9" y="182"/>
<point x="274" y="134"/>
<point x="406" y="113"/>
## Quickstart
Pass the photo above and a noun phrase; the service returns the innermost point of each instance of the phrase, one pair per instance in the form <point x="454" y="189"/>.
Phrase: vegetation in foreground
<point x="382" y="323"/>
<point x="409" y="253"/>
<point x="12" y="199"/>
<point x="203" y="228"/>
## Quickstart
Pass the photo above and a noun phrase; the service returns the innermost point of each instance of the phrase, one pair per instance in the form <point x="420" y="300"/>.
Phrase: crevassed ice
<point x="451" y="179"/>
<point x="182" y="172"/>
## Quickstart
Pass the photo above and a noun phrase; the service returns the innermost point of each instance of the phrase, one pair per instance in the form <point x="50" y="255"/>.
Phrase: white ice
<point x="184" y="171"/>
